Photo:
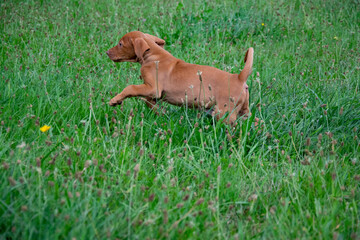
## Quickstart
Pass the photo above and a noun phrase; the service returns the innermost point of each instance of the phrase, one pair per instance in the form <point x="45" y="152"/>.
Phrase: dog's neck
<point x="145" y="57"/>
<point x="154" y="54"/>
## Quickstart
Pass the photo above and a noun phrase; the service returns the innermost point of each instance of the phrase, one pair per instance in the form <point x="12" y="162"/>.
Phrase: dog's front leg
<point x="142" y="90"/>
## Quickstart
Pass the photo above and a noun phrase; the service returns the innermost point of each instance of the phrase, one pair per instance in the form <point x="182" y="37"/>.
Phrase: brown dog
<point x="179" y="83"/>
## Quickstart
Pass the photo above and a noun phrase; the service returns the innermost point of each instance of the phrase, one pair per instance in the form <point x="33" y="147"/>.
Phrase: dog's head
<point x="132" y="47"/>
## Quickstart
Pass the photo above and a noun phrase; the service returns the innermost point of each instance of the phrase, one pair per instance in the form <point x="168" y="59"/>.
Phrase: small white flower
<point x="22" y="145"/>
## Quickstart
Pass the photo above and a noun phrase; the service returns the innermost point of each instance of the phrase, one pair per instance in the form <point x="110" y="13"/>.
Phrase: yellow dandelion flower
<point x="336" y="38"/>
<point x="262" y="24"/>
<point x="45" y="128"/>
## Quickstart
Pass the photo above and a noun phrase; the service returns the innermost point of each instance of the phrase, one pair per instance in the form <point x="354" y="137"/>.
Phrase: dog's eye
<point x="120" y="44"/>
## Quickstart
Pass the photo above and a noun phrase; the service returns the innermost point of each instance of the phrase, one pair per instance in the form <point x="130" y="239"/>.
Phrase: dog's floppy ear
<point x="140" y="47"/>
<point x="157" y="40"/>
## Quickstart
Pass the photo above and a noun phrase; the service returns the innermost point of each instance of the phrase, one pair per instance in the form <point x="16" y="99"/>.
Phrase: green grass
<point x="124" y="172"/>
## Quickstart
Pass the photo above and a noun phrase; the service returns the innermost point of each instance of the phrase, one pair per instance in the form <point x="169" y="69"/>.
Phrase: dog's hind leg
<point x="220" y="113"/>
<point x="153" y="105"/>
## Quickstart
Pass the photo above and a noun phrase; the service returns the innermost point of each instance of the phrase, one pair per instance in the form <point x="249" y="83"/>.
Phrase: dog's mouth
<point x="124" y="60"/>
<point x="119" y="59"/>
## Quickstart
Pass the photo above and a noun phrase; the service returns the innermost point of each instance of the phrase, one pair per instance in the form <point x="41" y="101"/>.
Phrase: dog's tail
<point x="245" y="73"/>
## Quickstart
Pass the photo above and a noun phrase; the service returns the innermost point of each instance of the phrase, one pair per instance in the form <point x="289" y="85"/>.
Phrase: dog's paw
<point x="114" y="102"/>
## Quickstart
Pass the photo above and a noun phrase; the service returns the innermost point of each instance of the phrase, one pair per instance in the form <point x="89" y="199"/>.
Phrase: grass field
<point x="127" y="173"/>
